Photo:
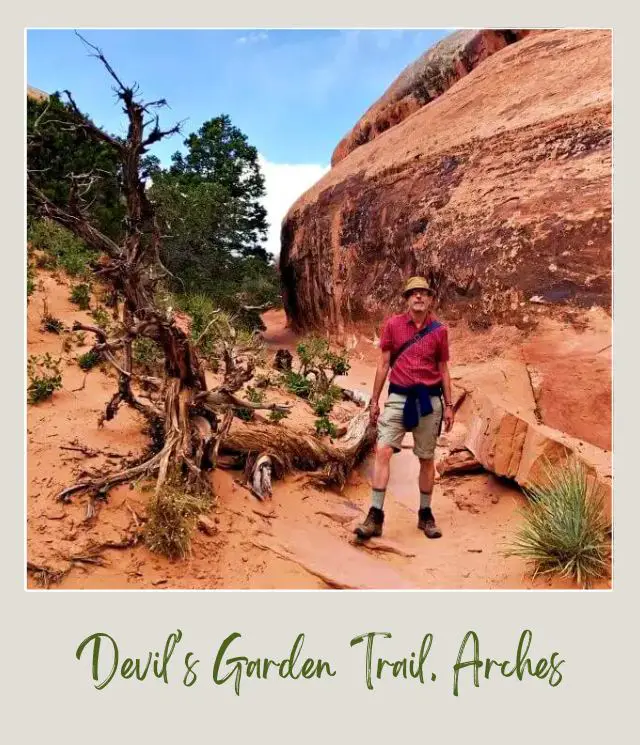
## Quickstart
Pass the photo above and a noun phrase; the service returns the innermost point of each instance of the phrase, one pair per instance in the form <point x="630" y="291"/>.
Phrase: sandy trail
<point x="301" y="539"/>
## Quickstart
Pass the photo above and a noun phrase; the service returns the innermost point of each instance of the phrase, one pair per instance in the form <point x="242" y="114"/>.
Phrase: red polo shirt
<point x="419" y="363"/>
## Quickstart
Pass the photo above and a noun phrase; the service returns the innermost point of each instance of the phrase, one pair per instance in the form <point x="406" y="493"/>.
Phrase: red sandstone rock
<point x="457" y="462"/>
<point x="424" y="80"/>
<point x="513" y="444"/>
<point x="506" y="174"/>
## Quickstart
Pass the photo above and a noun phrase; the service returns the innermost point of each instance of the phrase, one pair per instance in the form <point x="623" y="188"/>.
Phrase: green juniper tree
<point x="59" y="145"/>
<point x="209" y="203"/>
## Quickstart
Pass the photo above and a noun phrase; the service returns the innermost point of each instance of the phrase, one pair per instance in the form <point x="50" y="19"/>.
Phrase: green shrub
<point x="297" y="384"/>
<point x="146" y="352"/>
<point x="172" y="514"/>
<point x="311" y="350"/>
<point x="276" y="416"/>
<point x="335" y="392"/>
<point x="51" y="324"/>
<point x="89" y="359"/>
<point x="201" y="310"/>
<point x="245" y="414"/>
<point x="325" y="427"/>
<point x="101" y="317"/>
<point x="254" y="395"/>
<point x="316" y="358"/>
<point x="81" y="296"/>
<point x="44" y="377"/>
<point x="337" y="363"/>
<point x="63" y="248"/>
<point x="564" y="530"/>
<point x="322" y="405"/>
<point x="199" y="307"/>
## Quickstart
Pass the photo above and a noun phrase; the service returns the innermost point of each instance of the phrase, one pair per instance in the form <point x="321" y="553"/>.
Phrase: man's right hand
<point x="374" y="413"/>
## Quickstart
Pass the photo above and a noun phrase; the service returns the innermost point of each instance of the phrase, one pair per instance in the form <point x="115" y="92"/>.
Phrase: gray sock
<point x="425" y="499"/>
<point x="377" y="498"/>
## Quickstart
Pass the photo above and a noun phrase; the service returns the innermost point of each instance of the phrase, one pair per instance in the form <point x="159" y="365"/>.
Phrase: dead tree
<point x="188" y="421"/>
<point x="186" y="430"/>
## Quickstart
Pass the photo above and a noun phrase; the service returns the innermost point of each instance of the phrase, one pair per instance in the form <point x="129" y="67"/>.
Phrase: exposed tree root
<point x="331" y="463"/>
<point x="45" y="576"/>
<point x="100" y="486"/>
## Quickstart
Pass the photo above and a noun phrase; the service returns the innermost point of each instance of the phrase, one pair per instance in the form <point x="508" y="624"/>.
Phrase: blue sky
<point x="293" y="93"/>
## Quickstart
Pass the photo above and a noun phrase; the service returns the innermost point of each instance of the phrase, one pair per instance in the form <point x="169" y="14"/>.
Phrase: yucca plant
<point x="564" y="529"/>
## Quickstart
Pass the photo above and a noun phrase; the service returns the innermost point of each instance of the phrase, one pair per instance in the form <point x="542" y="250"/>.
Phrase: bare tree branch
<point x="103" y="59"/>
<point x="77" y="223"/>
<point x="89" y="126"/>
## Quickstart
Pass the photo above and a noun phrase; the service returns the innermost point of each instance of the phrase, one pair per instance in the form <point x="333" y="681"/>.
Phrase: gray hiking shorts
<point x="391" y="430"/>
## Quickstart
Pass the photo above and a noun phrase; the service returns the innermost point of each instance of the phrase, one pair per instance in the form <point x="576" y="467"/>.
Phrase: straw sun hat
<point x="416" y="283"/>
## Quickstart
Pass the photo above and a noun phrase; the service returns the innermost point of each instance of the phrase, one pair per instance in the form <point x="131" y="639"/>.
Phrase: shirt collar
<point x="409" y="320"/>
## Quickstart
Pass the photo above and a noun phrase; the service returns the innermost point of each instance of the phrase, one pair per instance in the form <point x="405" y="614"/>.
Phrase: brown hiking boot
<point x="372" y="526"/>
<point x="427" y="523"/>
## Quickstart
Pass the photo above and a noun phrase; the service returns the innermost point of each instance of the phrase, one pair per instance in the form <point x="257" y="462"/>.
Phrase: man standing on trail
<point x="414" y="345"/>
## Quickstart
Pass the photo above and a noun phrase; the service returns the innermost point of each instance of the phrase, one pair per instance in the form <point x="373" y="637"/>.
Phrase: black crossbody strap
<point x="410" y="342"/>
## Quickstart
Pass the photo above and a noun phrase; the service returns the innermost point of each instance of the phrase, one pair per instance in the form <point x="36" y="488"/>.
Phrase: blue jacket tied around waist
<point x="418" y="403"/>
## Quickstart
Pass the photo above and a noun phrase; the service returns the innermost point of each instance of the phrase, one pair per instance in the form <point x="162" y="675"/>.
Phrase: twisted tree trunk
<point x="133" y="268"/>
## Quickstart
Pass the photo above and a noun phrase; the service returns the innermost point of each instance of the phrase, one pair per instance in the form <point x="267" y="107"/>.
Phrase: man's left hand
<point x="448" y="418"/>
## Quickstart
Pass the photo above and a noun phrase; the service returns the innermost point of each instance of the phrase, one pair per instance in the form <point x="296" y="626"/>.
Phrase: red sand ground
<point x="300" y="539"/>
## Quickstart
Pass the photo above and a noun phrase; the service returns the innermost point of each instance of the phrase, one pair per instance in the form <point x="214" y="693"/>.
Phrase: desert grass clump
<point x="44" y="377"/>
<point x="255" y="395"/>
<point x="79" y="338"/>
<point x="89" y="360"/>
<point x="172" y="515"/>
<point x="277" y="416"/>
<point x="51" y="324"/>
<point x="101" y="316"/>
<point x="564" y="529"/>
<point x="67" y="343"/>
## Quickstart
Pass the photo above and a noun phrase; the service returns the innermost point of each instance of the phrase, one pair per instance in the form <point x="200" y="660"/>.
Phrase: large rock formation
<point x="424" y="80"/>
<point x="499" y="425"/>
<point x="510" y="442"/>
<point x="499" y="190"/>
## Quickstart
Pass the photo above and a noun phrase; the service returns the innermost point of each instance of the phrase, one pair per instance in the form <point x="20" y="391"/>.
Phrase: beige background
<point x="48" y="695"/>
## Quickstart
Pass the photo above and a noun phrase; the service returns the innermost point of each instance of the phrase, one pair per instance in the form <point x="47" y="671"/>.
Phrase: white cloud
<point x="284" y="183"/>
<point x="253" y="37"/>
